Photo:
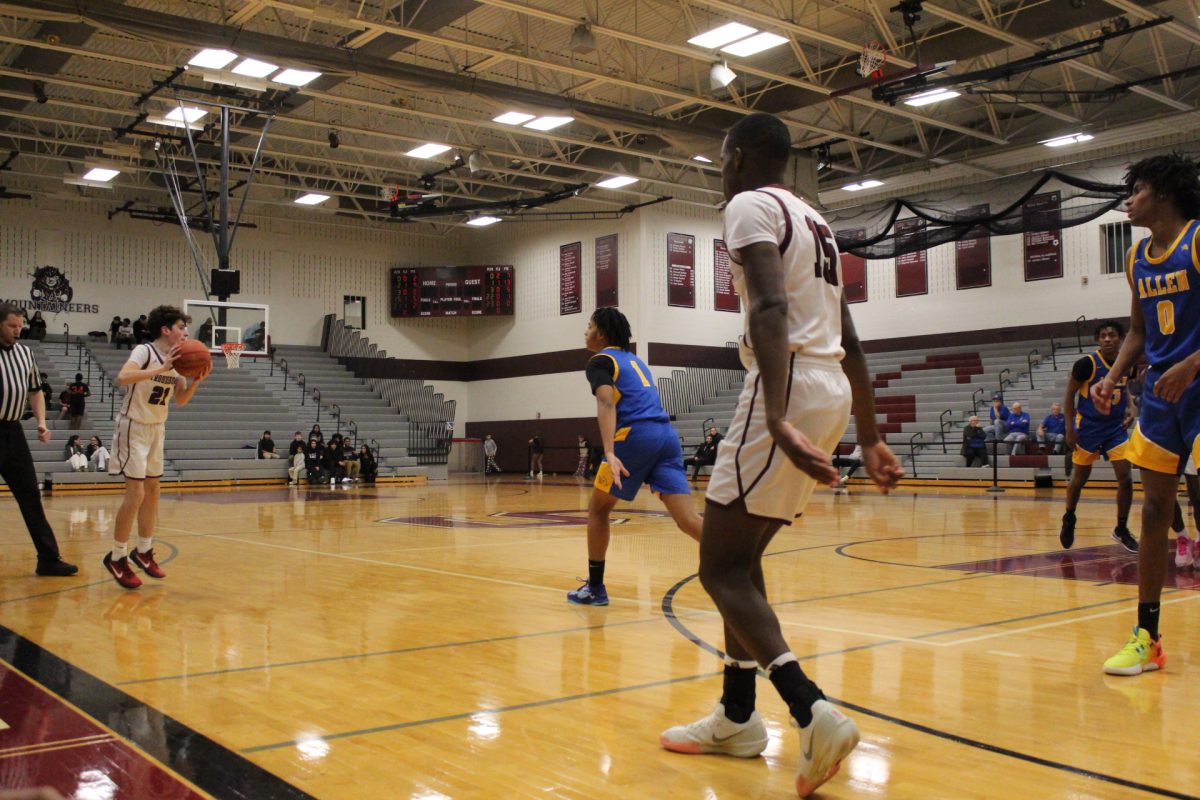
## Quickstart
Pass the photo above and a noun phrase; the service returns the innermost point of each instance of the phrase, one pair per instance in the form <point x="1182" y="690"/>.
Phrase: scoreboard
<point x="474" y="291"/>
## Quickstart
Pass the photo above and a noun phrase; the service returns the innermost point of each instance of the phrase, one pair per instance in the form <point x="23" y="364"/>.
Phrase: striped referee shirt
<point x="18" y="377"/>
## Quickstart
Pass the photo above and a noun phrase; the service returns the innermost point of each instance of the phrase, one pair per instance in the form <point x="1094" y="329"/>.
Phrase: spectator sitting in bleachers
<point x="314" y="461"/>
<point x="64" y="403"/>
<point x="297" y="445"/>
<point x="113" y="328"/>
<point x="1018" y="429"/>
<point x="266" y="446"/>
<point x="139" y="330"/>
<point x="46" y="390"/>
<point x="331" y="460"/>
<point x="998" y="417"/>
<point x="705" y="456"/>
<point x="349" y="462"/>
<point x="124" y="335"/>
<point x="74" y="455"/>
<point x="368" y="466"/>
<point x="37" y="327"/>
<point x="1053" y="429"/>
<point x="97" y="455"/>
<point x="315" y="433"/>
<point x="974" y="446"/>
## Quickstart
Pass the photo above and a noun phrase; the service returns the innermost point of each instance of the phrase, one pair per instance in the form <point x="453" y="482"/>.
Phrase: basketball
<point x="193" y="358"/>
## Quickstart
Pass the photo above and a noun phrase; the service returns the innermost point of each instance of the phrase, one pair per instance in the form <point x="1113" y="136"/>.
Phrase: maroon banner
<point x="912" y="276"/>
<point x="570" y="278"/>
<point x="725" y="298"/>
<point x="606" y="271"/>
<point x="681" y="270"/>
<point x="1043" y="237"/>
<point x="973" y="253"/>
<point x="854" y="269"/>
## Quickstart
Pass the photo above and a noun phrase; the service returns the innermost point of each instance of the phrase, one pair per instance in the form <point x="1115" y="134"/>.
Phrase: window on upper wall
<point x="1115" y="240"/>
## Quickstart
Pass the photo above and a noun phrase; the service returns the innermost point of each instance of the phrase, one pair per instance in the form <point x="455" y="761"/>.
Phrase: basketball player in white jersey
<point x="805" y="374"/>
<point x="138" y="439"/>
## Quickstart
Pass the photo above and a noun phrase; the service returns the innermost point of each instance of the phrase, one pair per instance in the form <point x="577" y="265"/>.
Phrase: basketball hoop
<point x="233" y="353"/>
<point x="871" y="60"/>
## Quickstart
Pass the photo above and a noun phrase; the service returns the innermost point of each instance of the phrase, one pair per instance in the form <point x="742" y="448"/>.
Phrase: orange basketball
<point x="193" y="358"/>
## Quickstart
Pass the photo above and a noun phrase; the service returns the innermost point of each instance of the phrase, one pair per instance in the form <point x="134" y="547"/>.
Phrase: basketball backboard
<point x="216" y="323"/>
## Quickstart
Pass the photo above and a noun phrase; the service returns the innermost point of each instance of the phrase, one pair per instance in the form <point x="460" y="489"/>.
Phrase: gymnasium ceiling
<point x="400" y="73"/>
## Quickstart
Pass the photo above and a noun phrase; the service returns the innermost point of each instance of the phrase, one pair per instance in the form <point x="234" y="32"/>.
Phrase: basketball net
<point x="233" y="353"/>
<point x="871" y="60"/>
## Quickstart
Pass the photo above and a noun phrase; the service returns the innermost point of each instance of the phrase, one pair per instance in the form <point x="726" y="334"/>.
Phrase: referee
<point x="19" y="380"/>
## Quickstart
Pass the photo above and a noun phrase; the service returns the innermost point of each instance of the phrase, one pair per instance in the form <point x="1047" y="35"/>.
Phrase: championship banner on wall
<point x="681" y="270"/>
<point x="912" y="277"/>
<point x="973" y="253"/>
<point x="1043" y="247"/>
<point x="570" y="278"/>
<point x="606" y="271"/>
<point x="725" y="298"/>
<point x="854" y="269"/>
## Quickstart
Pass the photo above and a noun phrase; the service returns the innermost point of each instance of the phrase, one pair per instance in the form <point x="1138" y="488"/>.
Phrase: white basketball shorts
<point x="750" y="467"/>
<point x="137" y="449"/>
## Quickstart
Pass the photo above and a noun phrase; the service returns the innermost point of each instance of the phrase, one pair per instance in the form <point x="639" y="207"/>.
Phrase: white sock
<point x="119" y="550"/>
<point x="781" y="660"/>
<point x="144" y="545"/>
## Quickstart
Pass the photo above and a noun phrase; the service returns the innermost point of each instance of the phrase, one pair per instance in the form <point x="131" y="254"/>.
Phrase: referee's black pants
<point x="17" y="470"/>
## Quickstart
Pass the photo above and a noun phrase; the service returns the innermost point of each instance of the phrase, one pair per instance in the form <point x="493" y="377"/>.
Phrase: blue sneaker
<point x="588" y="595"/>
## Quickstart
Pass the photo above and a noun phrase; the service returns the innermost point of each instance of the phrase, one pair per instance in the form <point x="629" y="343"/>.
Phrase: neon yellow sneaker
<point x="1140" y="654"/>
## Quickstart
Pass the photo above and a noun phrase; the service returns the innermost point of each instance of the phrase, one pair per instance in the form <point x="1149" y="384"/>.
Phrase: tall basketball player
<point x="640" y="445"/>
<point x="1164" y="321"/>
<point x="152" y="383"/>
<point x="805" y="374"/>
<point x="1092" y="434"/>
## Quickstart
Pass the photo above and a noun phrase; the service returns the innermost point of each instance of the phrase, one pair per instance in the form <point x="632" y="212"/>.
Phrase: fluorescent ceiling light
<point x="311" y="199"/>
<point x="76" y="180"/>
<point x="616" y="182"/>
<point x="870" y="184"/>
<point x="483" y="222"/>
<point x="755" y="44"/>
<point x="255" y="68"/>
<point x="858" y="187"/>
<point x="512" y="118"/>
<point x="427" y="150"/>
<point x="702" y="159"/>
<point x="212" y="58"/>
<point x="548" y="123"/>
<point x="101" y="174"/>
<point x="174" y="123"/>
<point x="932" y="96"/>
<point x="181" y="114"/>
<point x="729" y="32"/>
<point x="721" y="76"/>
<point x="296" y="77"/>
<point x="1070" y="138"/>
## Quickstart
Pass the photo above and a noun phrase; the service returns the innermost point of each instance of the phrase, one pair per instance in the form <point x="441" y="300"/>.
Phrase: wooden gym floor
<point x="415" y="642"/>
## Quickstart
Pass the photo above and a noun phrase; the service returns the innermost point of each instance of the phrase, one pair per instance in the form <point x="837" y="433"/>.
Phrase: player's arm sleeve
<point x="601" y="371"/>
<point x="752" y="217"/>
<point x="1083" y="370"/>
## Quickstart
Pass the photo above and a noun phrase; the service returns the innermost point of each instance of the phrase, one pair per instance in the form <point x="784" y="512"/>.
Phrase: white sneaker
<point x="823" y="744"/>
<point x="331" y="481"/>
<point x="345" y="480"/>
<point x="716" y="734"/>
<point x="1183" y="552"/>
<point x="539" y="474"/>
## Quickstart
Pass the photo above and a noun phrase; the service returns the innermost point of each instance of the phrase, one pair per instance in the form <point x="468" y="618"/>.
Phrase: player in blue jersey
<point x="1091" y="434"/>
<point x="1164" y="275"/>
<point x="640" y="445"/>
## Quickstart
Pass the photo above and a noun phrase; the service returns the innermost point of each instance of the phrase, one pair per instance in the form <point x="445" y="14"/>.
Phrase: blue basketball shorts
<point x="1096" y="440"/>
<point x="651" y="453"/>
<point x="1167" y="433"/>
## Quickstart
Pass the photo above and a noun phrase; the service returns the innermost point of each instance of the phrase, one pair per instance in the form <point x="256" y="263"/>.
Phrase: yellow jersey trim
<point x="1149" y="455"/>
<point x="1152" y="260"/>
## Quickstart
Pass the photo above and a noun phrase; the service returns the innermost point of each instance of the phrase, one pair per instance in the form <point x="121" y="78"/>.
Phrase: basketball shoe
<point x="716" y="734"/>
<point x="823" y="744"/>
<point x="1183" y="552"/>
<point x="147" y="563"/>
<point x="1066" y="536"/>
<point x="1140" y="654"/>
<point x="121" y="571"/>
<point x="1122" y="536"/>
<point x="588" y="595"/>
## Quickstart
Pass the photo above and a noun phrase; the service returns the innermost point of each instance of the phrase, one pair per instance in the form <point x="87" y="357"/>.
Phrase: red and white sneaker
<point x="147" y="563"/>
<point x="1183" y="552"/>
<point x="121" y="571"/>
